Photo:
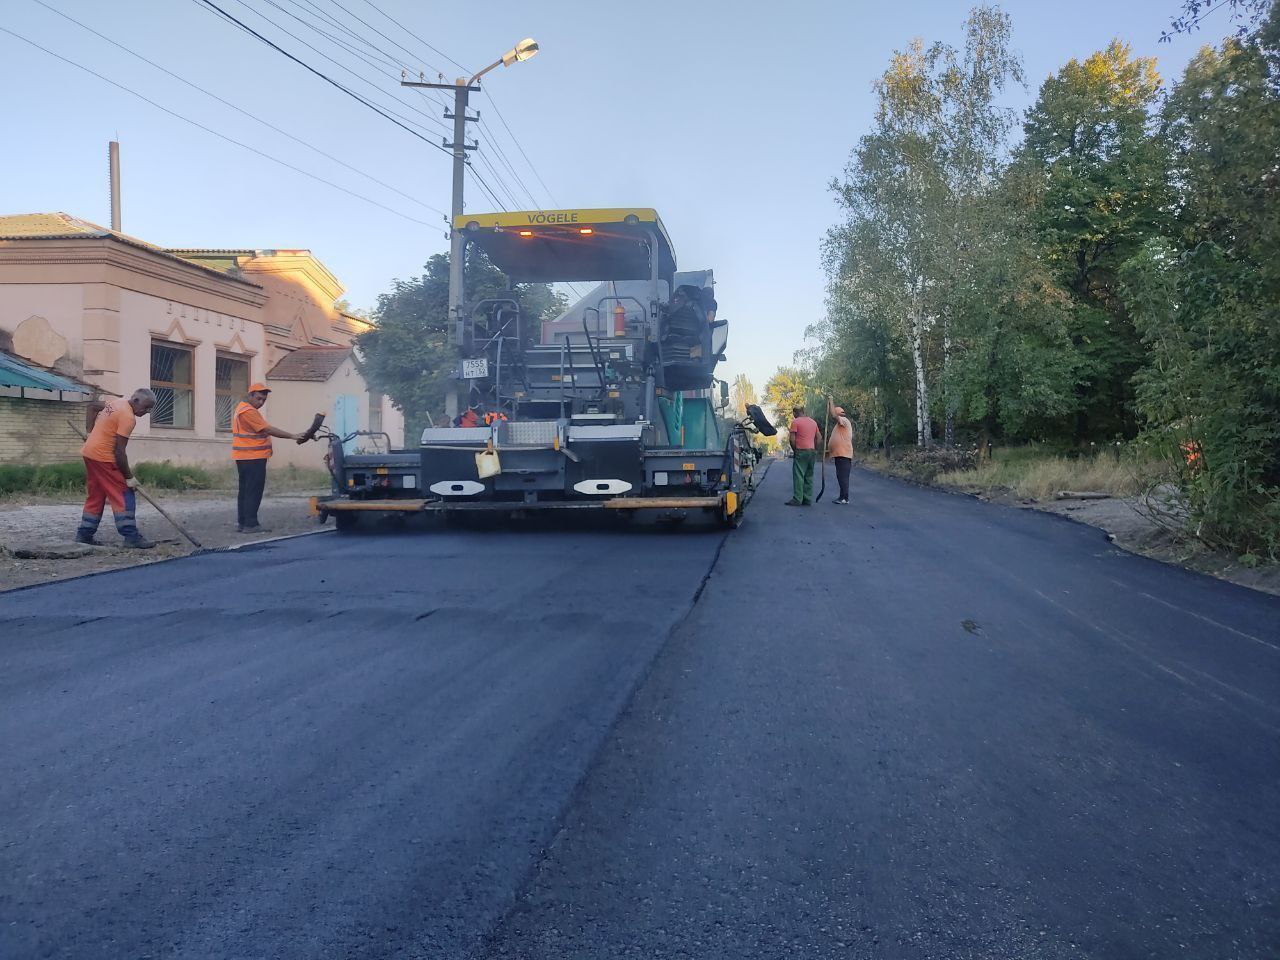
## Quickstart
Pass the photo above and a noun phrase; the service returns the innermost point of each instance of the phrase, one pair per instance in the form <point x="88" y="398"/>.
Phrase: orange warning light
<point x="526" y="233"/>
<point x="586" y="231"/>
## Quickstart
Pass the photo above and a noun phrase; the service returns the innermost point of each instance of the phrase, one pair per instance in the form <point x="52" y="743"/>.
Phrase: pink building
<point x="197" y="326"/>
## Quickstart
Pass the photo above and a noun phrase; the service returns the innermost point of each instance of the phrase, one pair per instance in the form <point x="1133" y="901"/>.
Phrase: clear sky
<point x="728" y="116"/>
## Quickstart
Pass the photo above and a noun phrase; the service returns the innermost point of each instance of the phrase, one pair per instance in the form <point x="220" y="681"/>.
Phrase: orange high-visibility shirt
<point x="116" y="419"/>
<point x="249" y="437"/>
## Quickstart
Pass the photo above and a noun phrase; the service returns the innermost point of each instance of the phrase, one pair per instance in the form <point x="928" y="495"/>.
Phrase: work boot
<point x="793" y="503"/>
<point x="87" y="538"/>
<point x="138" y="543"/>
<point x="255" y="528"/>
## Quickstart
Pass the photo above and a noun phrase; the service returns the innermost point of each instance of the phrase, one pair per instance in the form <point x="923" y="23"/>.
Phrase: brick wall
<point x="36" y="431"/>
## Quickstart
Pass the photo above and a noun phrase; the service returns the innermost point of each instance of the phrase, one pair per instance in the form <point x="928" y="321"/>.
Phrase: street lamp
<point x="526" y="49"/>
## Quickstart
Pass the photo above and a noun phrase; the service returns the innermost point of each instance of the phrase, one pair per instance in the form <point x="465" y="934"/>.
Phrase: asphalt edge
<point x="201" y="552"/>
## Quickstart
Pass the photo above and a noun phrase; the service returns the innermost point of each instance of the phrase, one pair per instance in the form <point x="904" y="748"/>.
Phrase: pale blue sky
<point x="729" y="118"/>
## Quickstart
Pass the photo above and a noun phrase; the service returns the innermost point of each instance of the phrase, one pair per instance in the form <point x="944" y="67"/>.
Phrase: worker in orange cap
<point x="251" y="449"/>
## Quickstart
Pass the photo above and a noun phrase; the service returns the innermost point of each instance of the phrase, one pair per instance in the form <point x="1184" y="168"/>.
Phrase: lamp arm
<point x="496" y="63"/>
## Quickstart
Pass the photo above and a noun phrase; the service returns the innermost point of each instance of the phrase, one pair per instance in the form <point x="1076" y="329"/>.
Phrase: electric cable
<point x="210" y="130"/>
<point x="240" y="110"/>
<point x="381" y="90"/>
<point x="329" y="80"/>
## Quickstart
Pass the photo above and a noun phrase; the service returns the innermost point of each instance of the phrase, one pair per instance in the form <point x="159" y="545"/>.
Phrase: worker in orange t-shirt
<point x="840" y="448"/>
<point x="251" y="449"/>
<point x="108" y="476"/>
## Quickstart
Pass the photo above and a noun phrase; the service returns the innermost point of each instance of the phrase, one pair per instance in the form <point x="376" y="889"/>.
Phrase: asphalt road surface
<point x="918" y="726"/>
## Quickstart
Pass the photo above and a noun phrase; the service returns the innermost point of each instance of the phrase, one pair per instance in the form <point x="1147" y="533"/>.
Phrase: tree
<point x="1208" y="303"/>
<point x="1244" y="13"/>
<point x="787" y="390"/>
<point x="1102" y="188"/>
<point x="908" y="194"/>
<point x="741" y="393"/>
<point x="407" y="354"/>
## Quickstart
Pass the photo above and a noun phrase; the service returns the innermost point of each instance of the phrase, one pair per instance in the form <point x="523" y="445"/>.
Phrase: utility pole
<point x="461" y="94"/>
<point x="462" y="88"/>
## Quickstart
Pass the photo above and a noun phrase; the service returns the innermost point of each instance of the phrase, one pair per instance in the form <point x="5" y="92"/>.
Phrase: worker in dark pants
<point x="251" y="449"/>
<point x="840" y="448"/>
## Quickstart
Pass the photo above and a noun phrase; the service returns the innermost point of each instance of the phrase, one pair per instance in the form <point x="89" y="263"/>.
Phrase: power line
<point x="434" y="50"/>
<point x="210" y="130"/>
<point x="241" y="110"/>
<point x="480" y="180"/>
<point x="381" y="90"/>
<point x="356" y="16"/>
<point x="497" y="178"/>
<point x="493" y="139"/>
<point x="494" y="104"/>
<point x="329" y="80"/>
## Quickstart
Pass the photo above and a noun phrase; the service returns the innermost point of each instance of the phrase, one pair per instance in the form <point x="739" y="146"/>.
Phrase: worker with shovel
<point x="108" y="475"/>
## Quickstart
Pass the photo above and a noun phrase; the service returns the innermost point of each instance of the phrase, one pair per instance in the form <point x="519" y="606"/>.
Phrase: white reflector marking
<point x="601" y="487"/>
<point x="457" y="488"/>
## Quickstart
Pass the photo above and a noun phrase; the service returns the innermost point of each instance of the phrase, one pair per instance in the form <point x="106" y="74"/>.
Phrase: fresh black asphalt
<point x="919" y="726"/>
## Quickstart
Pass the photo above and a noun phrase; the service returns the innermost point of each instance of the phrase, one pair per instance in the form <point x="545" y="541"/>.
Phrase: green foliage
<point x="407" y="355"/>
<point x="54" y="478"/>
<point x="1119" y="276"/>
<point x="1101" y="185"/>
<point x="787" y="389"/>
<point x="1208" y="306"/>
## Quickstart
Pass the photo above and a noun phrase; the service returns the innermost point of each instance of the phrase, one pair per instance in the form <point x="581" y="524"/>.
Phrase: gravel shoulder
<point x="1129" y="527"/>
<point x="37" y="538"/>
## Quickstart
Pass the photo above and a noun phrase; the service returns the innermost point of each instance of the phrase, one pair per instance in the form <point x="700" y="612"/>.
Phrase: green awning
<point x="15" y="373"/>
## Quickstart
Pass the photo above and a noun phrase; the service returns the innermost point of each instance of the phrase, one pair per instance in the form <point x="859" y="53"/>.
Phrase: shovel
<point x="147" y="497"/>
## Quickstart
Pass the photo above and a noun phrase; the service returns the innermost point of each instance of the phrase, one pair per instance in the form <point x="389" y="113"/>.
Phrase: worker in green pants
<point x="803" y="435"/>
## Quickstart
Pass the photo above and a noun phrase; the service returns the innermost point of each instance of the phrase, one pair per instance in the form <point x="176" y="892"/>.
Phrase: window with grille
<point x="173" y="384"/>
<point x="230" y="383"/>
<point x="375" y="411"/>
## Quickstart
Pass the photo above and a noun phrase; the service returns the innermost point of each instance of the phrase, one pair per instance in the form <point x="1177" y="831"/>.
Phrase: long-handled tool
<point x="147" y="497"/>
<point x="826" y="422"/>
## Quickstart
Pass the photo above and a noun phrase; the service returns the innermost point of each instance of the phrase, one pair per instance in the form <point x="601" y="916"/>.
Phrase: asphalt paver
<point x="917" y="726"/>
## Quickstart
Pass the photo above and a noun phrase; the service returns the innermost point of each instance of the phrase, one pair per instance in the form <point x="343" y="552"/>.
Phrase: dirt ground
<point x="48" y="527"/>
<point x="1128" y="527"/>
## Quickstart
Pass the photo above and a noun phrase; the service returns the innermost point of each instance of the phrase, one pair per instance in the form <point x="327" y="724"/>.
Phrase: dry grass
<point x="1034" y="475"/>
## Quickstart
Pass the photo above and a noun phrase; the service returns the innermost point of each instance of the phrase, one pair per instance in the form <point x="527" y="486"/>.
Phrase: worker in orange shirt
<point x="840" y="448"/>
<point x="251" y="449"/>
<point x="108" y="476"/>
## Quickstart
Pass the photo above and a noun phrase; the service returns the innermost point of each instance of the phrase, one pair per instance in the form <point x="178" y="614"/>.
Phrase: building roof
<point x="63" y="226"/>
<point x="16" y="373"/>
<point x="317" y="364"/>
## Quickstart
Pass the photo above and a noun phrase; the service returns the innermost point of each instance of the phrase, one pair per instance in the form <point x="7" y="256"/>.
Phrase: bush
<point x="924" y="466"/>
<point x="46" y="478"/>
<point x="54" y="478"/>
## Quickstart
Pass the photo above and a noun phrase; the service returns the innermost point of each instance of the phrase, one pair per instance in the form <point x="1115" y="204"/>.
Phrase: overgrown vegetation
<point x="55" y="478"/>
<point x="68" y="478"/>
<point x="1032" y="472"/>
<point x="1112" y="275"/>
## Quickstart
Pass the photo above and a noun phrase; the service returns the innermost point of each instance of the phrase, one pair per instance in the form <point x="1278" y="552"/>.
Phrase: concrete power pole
<point x="459" y="147"/>
<point x="524" y="50"/>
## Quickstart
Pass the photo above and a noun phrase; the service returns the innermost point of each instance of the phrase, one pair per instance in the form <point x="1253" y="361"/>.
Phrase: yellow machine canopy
<point x="551" y="246"/>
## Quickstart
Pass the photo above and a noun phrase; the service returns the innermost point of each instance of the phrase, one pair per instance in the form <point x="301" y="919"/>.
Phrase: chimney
<point x="113" y="152"/>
